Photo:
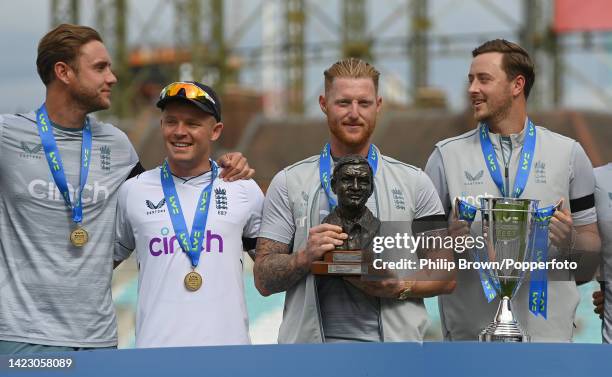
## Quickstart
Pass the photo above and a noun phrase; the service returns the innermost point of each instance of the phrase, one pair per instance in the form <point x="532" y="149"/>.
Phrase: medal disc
<point x="193" y="281"/>
<point x="79" y="237"/>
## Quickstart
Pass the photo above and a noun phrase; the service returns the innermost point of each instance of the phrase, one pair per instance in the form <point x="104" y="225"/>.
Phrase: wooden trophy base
<point x="339" y="263"/>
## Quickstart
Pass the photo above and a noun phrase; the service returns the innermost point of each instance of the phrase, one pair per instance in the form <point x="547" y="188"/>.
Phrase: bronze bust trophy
<point x="353" y="183"/>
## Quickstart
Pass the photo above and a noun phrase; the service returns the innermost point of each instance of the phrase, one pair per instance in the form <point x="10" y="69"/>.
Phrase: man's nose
<point x="354" y="110"/>
<point x="473" y="88"/>
<point x="181" y="129"/>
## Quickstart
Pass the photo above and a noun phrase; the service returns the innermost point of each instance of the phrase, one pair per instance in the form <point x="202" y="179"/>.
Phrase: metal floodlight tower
<point x="64" y="12"/>
<point x="355" y="40"/>
<point x="294" y="60"/>
<point x="111" y="23"/>
<point x="419" y="51"/>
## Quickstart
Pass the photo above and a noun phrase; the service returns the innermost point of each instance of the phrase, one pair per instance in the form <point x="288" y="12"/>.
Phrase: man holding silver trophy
<point x="531" y="190"/>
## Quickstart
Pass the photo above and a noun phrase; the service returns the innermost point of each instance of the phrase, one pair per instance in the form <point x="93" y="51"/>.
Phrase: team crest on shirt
<point x="398" y="199"/>
<point x="221" y="201"/>
<point x="31" y="151"/>
<point x="475" y="179"/>
<point x="155" y="208"/>
<point x="105" y="157"/>
<point x="539" y="172"/>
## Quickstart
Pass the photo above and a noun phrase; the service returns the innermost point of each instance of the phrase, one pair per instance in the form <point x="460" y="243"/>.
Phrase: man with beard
<point x="292" y="236"/>
<point x="61" y="170"/>
<point x="525" y="162"/>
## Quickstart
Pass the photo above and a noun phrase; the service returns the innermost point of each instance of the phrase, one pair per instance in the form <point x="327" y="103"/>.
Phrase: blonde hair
<point x="351" y="68"/>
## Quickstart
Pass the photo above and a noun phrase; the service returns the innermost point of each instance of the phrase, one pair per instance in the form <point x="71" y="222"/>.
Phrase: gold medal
<point x="79" y="237"/>
<point x="193" y="281"/>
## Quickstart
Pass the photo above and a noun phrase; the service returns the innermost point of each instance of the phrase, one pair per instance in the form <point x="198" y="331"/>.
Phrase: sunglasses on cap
<point x="190" y="91"/>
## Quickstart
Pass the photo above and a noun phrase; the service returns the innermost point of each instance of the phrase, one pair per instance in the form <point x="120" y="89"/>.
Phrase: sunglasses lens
<point x="190" y="91"/>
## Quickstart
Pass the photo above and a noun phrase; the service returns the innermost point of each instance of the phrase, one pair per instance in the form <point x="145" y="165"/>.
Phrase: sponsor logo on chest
<point x="473" y="179"/>
<point x="31" y="151"/>
<point x="166" y="243"/>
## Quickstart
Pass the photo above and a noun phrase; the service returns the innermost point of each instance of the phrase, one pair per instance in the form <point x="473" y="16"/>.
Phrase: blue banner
<point x="191" y="244"/>
<point x="467" y="212"/>
<point x="538" y="286"/>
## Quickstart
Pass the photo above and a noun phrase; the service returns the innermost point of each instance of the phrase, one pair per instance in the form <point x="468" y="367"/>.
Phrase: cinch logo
<point x="167" y="244"/>
<point x="474" y="199"/>
<point x="41" y="189"/>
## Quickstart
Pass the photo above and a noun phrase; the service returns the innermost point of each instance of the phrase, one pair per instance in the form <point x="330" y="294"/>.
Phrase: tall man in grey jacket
<point x="336" y="309"/>
<point x="554" y="168"/>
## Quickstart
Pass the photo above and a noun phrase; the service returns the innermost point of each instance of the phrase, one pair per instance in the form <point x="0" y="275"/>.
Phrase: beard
<point x="498" y="112"/>
<point x="89" y="99"/>
<point x="352" y="140"/>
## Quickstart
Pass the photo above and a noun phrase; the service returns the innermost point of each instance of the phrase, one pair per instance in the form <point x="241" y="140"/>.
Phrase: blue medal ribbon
<point x="522" y="173"/>
<point x="325" y="172"/>
<point x="191" y="244"/>
<point x="538" y="286"/>
<point x="467" y="212"/>
<point x="45" y="131"/>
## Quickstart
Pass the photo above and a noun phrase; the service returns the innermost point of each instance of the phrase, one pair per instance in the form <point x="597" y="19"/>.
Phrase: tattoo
<point x="275" y="269"/>
<point x="251" y="254"/>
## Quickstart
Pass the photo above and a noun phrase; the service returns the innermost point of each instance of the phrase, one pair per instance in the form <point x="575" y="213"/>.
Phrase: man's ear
<point x="63" y="72"/>
<point x="323" y="104"/>
<point x="378" y="103"/>
<point x="216" y="131"/>
<point x="333" y="184"/>
<point x="518" y="85"/>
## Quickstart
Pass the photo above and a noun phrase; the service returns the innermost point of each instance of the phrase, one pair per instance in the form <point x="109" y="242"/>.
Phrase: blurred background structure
<point x="266" y="58"/>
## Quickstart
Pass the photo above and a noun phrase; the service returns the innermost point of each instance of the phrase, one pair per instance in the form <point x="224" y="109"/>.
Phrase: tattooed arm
<point x="276" y="270"/>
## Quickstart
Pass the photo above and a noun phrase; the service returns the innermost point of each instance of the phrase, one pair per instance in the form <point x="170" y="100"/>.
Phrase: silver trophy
<point x="508" y="230"/>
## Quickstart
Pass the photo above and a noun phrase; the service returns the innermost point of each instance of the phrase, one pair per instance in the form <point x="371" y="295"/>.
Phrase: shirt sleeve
<point x="582" y="187"/>
<point x="435" y="170"/>
<point x="256" y="199"/>
<point x="277" y="223"/>
<point x="124" y="235"/>
<point x="428" y="203"/>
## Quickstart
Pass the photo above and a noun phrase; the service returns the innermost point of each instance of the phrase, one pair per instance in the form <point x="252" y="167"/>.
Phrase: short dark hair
<point x="515" y="60"/>
<point x="62" y="44"/>
<point x="352" y="159"/>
